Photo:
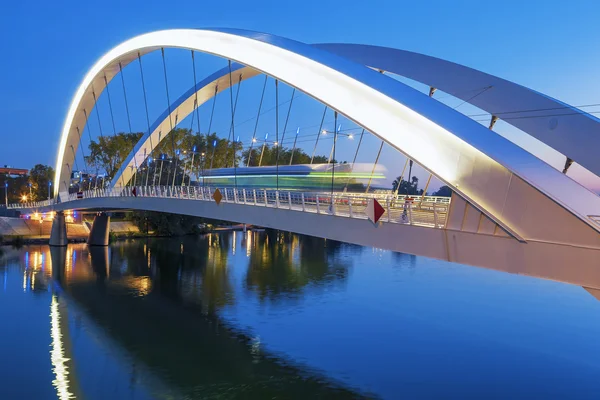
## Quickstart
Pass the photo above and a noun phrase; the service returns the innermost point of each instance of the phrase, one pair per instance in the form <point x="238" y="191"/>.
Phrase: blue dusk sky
<point x="47" y="47"/>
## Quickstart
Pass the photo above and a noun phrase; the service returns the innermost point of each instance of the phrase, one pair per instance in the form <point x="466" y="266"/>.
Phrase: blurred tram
<point x="301" y="177"/>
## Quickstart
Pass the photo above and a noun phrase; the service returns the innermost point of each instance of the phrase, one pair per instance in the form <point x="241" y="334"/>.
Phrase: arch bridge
<point x="509" y="210"/>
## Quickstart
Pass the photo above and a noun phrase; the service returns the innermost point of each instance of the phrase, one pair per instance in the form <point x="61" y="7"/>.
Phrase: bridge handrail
<point x="428" y="211"/>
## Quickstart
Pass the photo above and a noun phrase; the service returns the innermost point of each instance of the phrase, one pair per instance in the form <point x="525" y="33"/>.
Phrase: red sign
<point x="374" y="210"/>
<point x="80" y="195"/>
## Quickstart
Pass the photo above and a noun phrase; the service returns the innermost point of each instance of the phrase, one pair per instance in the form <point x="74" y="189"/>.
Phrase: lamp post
<point x="49" y="185"/>
<point x="148" y="170"/>
<point x="177" y="152"/>
<point x="250" y="151"/>
<point x="203" y="160"/>
<point x="191" y="168"/>
<point x="213" y="153"/>
<point x="162" y="161"/>
<point x="6" y="194"/>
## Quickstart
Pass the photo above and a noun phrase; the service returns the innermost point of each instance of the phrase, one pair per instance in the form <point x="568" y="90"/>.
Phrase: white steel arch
<point x="567" y="129"/>
<point x="490" y="172"/>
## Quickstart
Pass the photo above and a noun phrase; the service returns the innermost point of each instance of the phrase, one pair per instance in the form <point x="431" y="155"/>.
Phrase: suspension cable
<point x="354" y="160"/>
<point x="401" y="177"/>
<point x="374" y="166"/>
<point x="75" y="158"/>
<point x="196" y="106"/>
<point x="147" y="116"/>
<point x="294" y="146"/>
<point x="87" y="126"/>
<point x="97" y="112"/>
<point x="196" y="91"/>
<point x="100" y="127"/>
<point x="277" y="132"/>
<point x="128" y="121"/>
<point x="262" y="96"/>
<point x="231" y="130"/>
<point x="288" y="116"/>
<point x="318" y="135"/>
<point x="162" y="50"/>
<point x="112" y="118"/>
<point x="212" y="113"/>
<point x="82" y="151"/>
<point x="193" y="154"/>
<point x="335" y="115"/>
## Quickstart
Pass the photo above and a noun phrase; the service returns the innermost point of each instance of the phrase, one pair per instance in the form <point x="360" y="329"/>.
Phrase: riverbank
<point x="19" y="231"/>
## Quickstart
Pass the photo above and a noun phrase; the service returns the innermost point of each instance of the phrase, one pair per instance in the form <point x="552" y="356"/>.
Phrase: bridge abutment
<point x="58" y="235"/>
<point x="100" y="230"/>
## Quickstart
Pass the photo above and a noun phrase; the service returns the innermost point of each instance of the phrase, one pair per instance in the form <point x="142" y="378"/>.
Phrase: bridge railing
<point x="419" y="210"/>
<point x="33" y="204"/>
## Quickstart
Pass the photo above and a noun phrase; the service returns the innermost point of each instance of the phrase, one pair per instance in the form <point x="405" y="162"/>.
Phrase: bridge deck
<point x="429" y="211"/>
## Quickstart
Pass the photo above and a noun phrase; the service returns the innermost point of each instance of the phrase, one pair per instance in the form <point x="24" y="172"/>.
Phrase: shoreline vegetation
<point x="147" y="230"/>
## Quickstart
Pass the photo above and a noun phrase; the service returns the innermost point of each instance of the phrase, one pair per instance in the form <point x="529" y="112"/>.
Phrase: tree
<point x="269" y="156"/>
<point x="39" y="176"/>
<point x="406" y="187"/>
<point x="108" y="152"/>
<point x="444" y="191"/>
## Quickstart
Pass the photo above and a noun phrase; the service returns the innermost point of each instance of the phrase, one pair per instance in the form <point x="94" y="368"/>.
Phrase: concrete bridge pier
<point x="100" y="230"/>
<point x="58" y="235"/>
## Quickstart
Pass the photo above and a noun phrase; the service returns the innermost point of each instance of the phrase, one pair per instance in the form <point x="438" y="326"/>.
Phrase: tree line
<point x="172" y="157"/>
<point x="31" y="187"/>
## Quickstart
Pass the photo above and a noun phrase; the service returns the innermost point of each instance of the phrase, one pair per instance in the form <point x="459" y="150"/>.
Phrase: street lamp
<point x="213" y="153"/>
<point x="6" y="194"/>
<point x="177" y="152"/>
<point x="49" y="185"/>
<point x="162" y="160"/>
<point x="203" y="160"/>
<point x="191" y="168"/>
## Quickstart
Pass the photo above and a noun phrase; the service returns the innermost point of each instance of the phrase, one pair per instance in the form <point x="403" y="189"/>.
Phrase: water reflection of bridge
<point x="165" y="316"/>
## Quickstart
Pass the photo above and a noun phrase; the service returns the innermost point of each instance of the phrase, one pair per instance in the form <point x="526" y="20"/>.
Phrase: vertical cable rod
<point x="232" y="128"/>
<point x="335" y="134"/>
<point x="374" y="166"/>
<point x="354" y="160"/>
<point x="277" y="133"/>
<point x="147" y="117"/>
<point x="288" y="116"/>
<point x="262" y="96"/>
<point x="318" y="135"/>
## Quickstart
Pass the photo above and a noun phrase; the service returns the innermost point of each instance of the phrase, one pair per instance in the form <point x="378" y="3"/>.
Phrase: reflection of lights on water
<point x="233" y="243"/>
<point x="181" y="248"/>
<point x="24" y="280"/>
<point x="248" y="243"/>
<point x="33" y="280"/>
<point x="57" y="358"/>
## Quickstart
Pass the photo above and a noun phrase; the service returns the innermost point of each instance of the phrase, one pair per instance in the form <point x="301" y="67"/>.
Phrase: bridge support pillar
<point x="58" y="235"/>
<point x="100" y="230"/>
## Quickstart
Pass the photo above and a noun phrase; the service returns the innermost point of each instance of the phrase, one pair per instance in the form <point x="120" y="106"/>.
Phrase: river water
<point x="268" y="315"/>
